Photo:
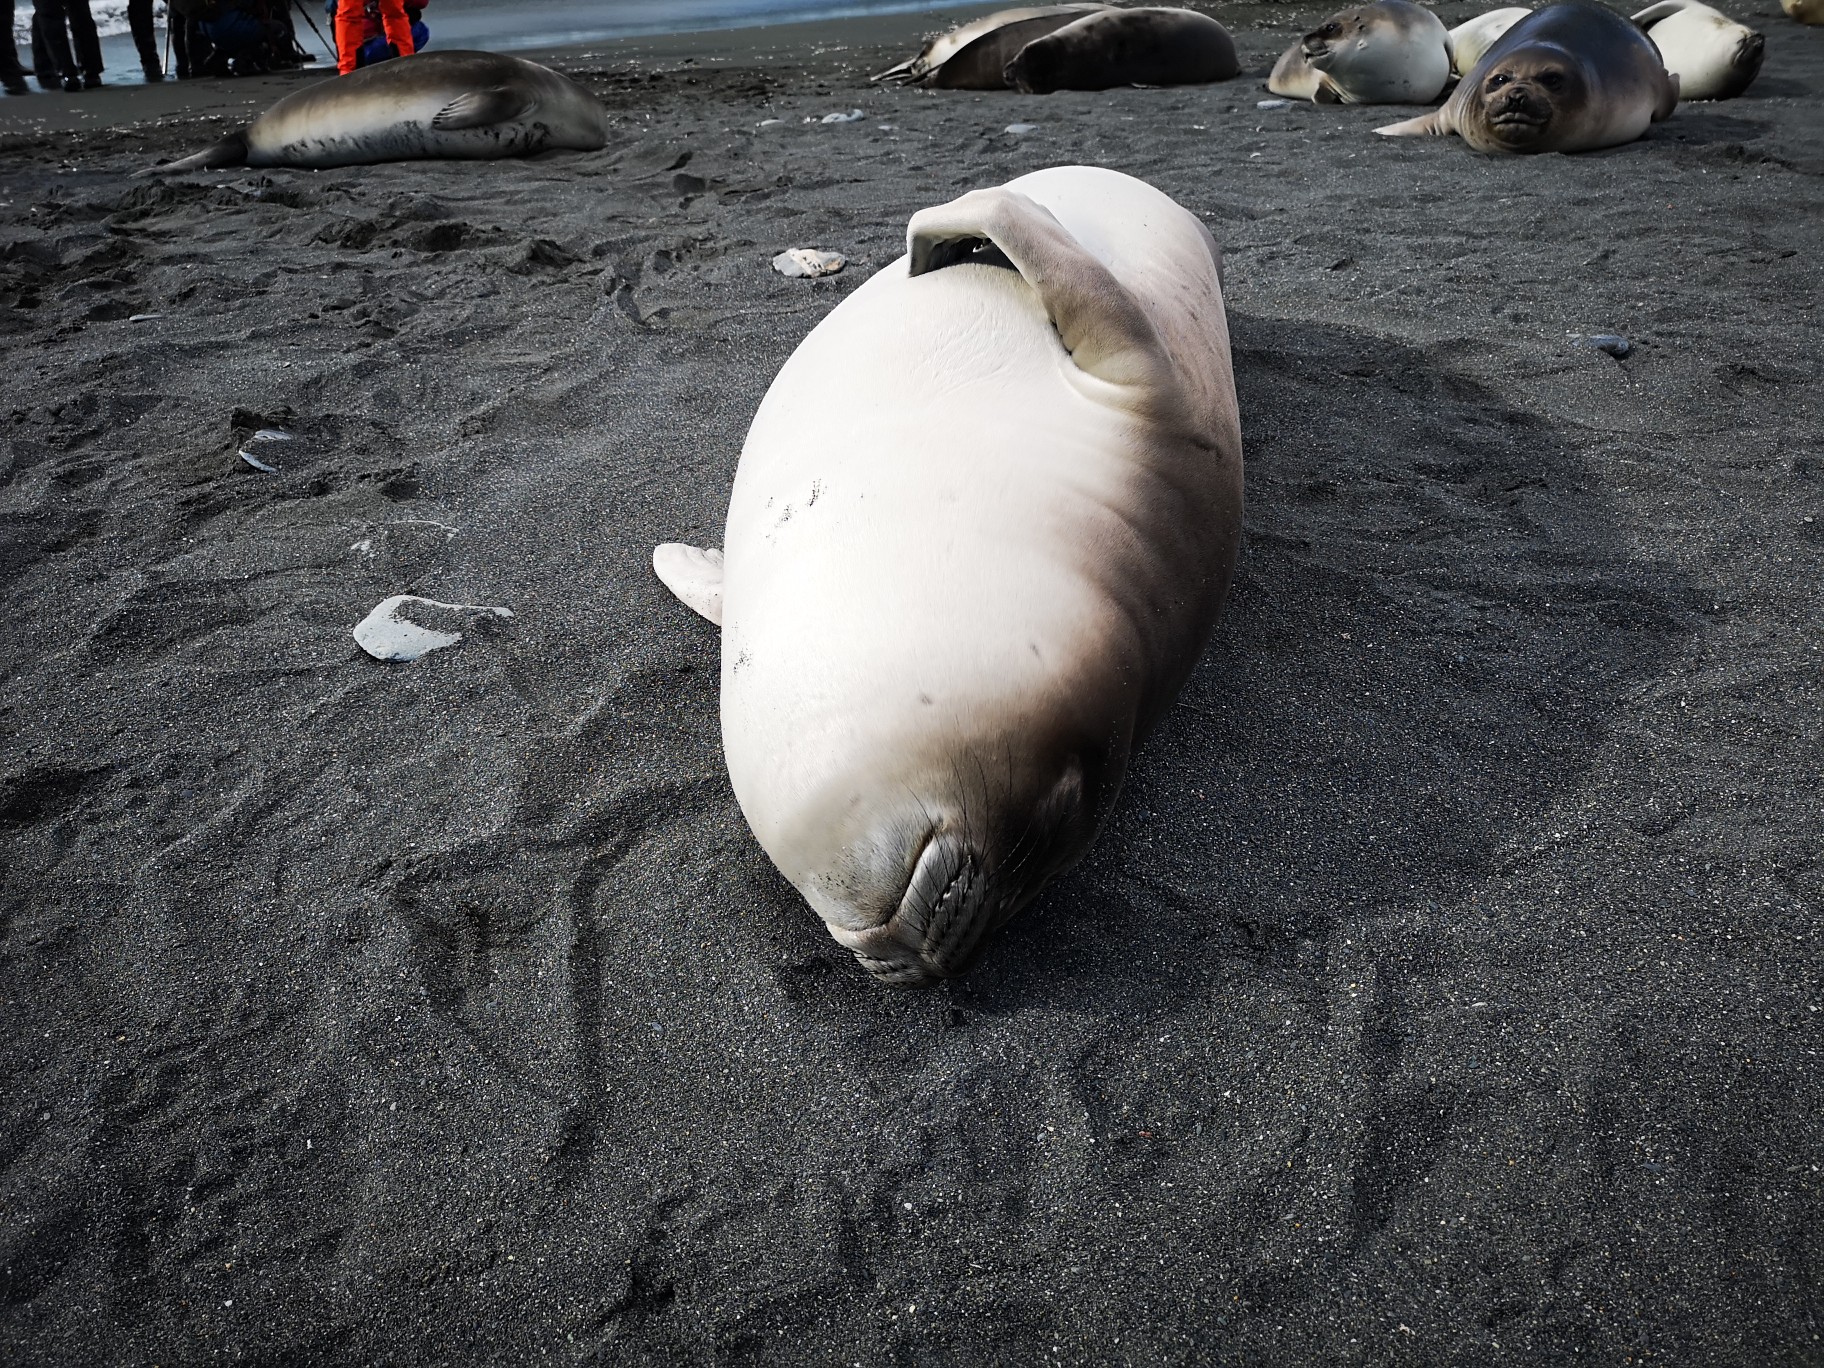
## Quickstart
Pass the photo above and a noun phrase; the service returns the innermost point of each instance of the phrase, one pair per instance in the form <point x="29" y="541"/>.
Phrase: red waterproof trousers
<point x="359" y="20"/>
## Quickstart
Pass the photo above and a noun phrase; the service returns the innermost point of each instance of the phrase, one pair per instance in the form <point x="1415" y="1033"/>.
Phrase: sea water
<point x="504" y="25"/>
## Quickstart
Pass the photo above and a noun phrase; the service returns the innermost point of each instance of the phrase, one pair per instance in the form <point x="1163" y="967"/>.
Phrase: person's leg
<point x="44" y="66"/>
<point x="48" y="23"/>
<point x="12" y="75"/>
<point x="179" y="28"/>
<point x="420" y="35"/>
<point x="145" y="38"/>
<point x="85" y="40"/>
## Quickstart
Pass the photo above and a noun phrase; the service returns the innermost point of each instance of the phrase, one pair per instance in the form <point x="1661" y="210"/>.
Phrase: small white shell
<point x="385" y="635"/>
<point x="800" y="262"/>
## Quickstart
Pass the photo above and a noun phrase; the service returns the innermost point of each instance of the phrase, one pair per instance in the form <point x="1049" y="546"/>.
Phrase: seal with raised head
<point x="981" y="528"/>
<point x="1389" y="52"/>
<point x="974" y="56"/>
<point x="1570" y="77"/>
<point x="1713" y="57"/>
<point x="476" y="105"/>
<point x="1469" y="40"/>
<point x="1155" y="46"/>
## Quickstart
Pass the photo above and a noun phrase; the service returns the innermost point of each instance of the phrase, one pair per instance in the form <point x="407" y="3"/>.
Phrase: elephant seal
<point x="1296" y="78"/>
<point x="974" y="56"/>
<point x="438" y="104"/>
<point x="1389" y="52"/>
<point x="1468" y="41"/>
<point x="981" y="528"/>
<point x="1713" y="57"/>
<point x="1154" y="47"/>
<point x="1074" y="47"/>
<point x="1567" y="78"/>
<point x="1805" y="11"/>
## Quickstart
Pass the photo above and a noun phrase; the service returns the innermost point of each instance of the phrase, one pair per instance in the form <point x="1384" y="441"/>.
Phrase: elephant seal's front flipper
<point x="479" y="108"/>
<point x="1102" y="326"/>
<point x="694" y="574"/>
<point x="1433" y="125"/>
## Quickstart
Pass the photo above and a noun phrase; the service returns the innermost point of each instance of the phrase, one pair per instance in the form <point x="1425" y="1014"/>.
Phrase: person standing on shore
<point x="63" y="25"/>
<point x="12" y="75"/>
<point x="145" y="37"/>
<point x="369" y="31"/>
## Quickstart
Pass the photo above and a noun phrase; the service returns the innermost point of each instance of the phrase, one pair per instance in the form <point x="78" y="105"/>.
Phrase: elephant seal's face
<point x="913" y="872"/>
<point x="1525" y="102"/>
<point x="1333" y="36"/>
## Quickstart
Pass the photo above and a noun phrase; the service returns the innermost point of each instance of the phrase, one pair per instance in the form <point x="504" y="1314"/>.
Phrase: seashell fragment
<point x="387" y="635"/>
<point x="804" y="262"/>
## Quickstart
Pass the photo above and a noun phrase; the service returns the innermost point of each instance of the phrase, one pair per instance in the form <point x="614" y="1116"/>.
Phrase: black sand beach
<point x="1446" y="989"/>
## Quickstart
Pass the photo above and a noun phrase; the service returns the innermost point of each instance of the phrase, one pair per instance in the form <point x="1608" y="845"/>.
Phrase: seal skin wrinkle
<point x="463" y="105"/>
<point x="981" y="529"/>
<point x="1571" y="77"/>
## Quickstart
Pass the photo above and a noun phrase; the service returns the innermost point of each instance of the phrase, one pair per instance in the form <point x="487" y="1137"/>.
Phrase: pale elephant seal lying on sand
<point x="478" y="105"/>
<point x="1805" y="11"/>
<point x="1074" y="47"/>
<point x="1468" y="41"/>
<point x="1713" y="57"/>
<point x="1567" y="78"/>
<point x="1390" y="52"/>
<point x="981" y="528"/>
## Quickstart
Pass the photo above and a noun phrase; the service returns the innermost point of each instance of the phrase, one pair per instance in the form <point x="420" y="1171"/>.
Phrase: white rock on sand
<point x="386" y="634"/>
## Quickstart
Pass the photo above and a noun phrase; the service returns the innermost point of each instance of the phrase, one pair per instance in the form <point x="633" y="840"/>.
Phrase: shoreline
<point x="870" y="38"/>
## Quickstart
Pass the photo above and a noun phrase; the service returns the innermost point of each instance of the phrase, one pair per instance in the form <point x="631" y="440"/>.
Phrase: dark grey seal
<point x="1567" y="78"/>
<point x="974" y="56"/>
<point x="1151" y="47"/>
<point x="1074" y="47"/>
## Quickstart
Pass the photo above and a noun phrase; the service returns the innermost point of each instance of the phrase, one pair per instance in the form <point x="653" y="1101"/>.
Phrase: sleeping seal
<point x="1805" y="11"/>
<point x="1713" y="57"/>
<point x="1468" y="41"/>
<point x="981" y="528"/>
<point x="1567" y="78"/>
<point x="437" y="104"/>
<point x="974" y="56"/>
<point x="1074" y="47"/>
<point x="1389" y="52"/>
<point x="1154" y="47"/>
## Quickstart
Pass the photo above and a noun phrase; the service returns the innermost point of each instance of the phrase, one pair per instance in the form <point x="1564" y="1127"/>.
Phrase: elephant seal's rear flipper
<point x="1426" y="125"/>
<point x="230" y="151"/>
<point x="1101" y="324"/>
<point x="479" y="108"/>
<point x="694" y="574"/>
